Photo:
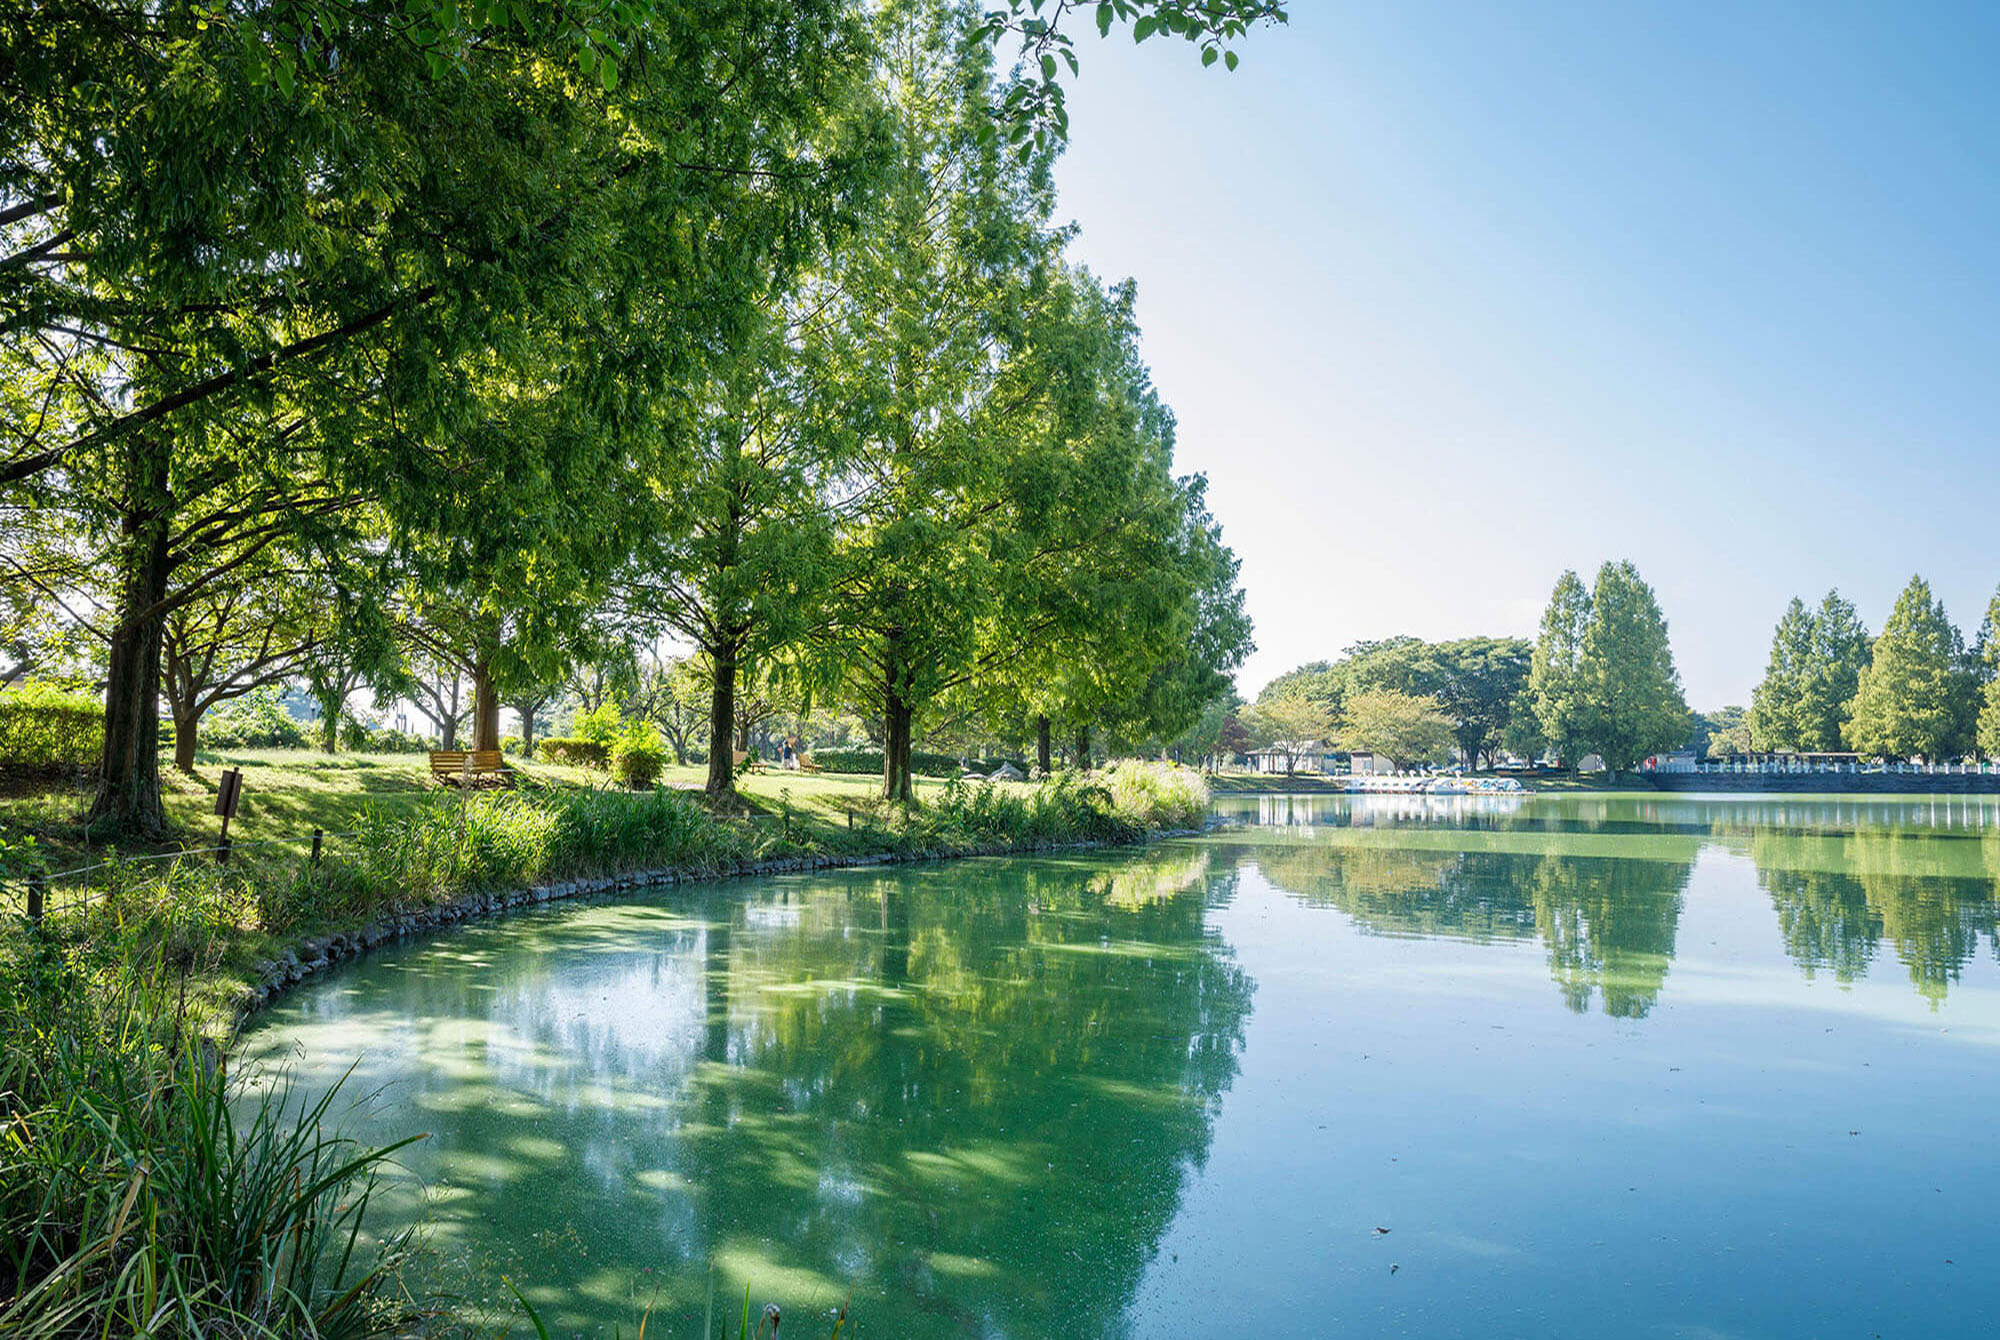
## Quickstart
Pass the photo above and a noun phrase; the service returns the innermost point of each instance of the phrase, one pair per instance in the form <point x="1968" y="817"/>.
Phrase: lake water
<point x="1635" y="1066"/>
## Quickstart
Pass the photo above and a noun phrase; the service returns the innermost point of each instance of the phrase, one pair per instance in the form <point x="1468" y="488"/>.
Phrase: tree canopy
<point x="1916" y="697"/>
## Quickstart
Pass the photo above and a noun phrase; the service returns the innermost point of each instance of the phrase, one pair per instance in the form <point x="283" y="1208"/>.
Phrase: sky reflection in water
<point x="1600" y="1065"/>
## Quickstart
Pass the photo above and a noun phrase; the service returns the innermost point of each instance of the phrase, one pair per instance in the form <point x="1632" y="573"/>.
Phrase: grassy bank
<point x="138" y="1195"/>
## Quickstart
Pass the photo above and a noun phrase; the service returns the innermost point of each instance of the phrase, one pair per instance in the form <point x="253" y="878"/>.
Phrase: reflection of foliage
<point x="1931" y="894"/>
<point x="1608" y="922"/>
<point x="1609" y="925"/>
<point x="1470" y="895"/>
<point x="1164" y="873"/>
<point x="1008" y="1052"/>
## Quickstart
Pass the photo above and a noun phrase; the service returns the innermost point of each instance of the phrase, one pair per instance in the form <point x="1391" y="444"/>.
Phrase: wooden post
<point x="316" y="839"/>
<point x="227" y="793"/>
<point x="37" y="894"/>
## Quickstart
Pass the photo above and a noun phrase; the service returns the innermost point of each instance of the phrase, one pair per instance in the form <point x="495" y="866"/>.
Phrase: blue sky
<point x="1449" y="298"/>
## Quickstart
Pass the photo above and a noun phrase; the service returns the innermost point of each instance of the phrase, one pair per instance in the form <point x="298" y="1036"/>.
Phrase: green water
<point x="1601" y="1066"/>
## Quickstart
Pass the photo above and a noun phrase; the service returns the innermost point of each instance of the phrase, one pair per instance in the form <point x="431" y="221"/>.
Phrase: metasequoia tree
<point x="1555" y="682"/>
<point x="1916" y="696"/>
<point x="1630" y="690"/>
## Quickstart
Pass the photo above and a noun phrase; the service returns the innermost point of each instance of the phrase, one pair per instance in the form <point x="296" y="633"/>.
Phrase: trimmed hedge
<point x="921" y="763"/>
<point x="44" y="730"/>
<point x="573" y="751"/>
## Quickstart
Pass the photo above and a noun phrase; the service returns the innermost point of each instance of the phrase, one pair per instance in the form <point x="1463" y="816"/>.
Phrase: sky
<point x="1448" y="298"/>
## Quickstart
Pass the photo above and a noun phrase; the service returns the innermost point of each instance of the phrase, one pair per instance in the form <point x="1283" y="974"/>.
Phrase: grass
<point x="287" y="793"/>
<point x="141" y="1195"/>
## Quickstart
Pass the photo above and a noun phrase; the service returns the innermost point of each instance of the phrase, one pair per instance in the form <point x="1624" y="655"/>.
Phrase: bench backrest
<point x="455" y="760"/>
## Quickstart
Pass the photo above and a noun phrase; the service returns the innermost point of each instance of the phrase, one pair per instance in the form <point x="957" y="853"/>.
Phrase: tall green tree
<point x="252" y="308"/>
<point x="1914" y="699"/>
<point x="1777" y="715"/>
<point x="1631" y="693"/>
<point x="1556" y="690"/>
<point x="1814" y="669"/>
<point x="1987" y="731"/>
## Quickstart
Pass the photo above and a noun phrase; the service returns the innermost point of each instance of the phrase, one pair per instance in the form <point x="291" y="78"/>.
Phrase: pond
<point x="1633" y="1065"/>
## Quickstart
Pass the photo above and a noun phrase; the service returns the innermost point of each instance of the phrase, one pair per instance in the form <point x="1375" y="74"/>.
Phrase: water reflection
<point x="883" y="1083"/>
<point x="1601" y="881"/>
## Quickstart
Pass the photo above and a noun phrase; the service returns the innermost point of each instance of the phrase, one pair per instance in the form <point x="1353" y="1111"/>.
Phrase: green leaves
<point x="1916" y="697"/>
<point x="1603" y="678"/>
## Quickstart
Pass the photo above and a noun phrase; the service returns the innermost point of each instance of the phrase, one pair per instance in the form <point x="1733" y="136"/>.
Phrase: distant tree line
<point x="1600" y="679"/>
<point x="1916" y="690"/>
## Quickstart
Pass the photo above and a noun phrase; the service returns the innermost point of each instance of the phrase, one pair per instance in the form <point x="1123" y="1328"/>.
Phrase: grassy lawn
<point x="289" y="792"/>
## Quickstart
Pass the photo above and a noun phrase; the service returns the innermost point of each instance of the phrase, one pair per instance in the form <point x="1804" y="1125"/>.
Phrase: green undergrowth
<point x="142" y="1194"/>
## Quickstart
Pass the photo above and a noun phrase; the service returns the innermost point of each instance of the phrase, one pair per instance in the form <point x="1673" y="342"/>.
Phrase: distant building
<point x="1305" y="755"/>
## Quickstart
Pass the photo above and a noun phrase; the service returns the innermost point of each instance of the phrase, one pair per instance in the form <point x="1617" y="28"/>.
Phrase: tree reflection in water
<point x="1601" y="881"/>
<point x="970" y="1094"/>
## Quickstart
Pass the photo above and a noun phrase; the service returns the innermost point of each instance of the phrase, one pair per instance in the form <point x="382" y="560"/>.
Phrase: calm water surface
<point x="1604" y="1066"/>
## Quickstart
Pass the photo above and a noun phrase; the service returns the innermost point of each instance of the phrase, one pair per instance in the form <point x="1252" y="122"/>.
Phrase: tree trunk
<point x="187" y="732"/>
<point x="128" y="779"/>
<point x="1083" y="748"/>
<point x="897" y="783"/>
<point x="897" y="715"/>
<point x="526" y="707"/>
<point x="485" y="707"/>
<point x="1042" y="750"/>
<point x="722" y="726"/>
<point x="329" y="725"/>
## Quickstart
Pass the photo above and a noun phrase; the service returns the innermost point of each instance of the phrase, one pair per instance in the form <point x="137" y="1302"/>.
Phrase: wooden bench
<point x="806" y="764"/>
<point x="470" y="767"/>
<point x="737" y="759"/>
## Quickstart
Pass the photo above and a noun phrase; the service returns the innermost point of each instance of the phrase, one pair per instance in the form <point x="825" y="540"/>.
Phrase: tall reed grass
<point x="1158" y="795"/>
<point x="142" y="1194"/>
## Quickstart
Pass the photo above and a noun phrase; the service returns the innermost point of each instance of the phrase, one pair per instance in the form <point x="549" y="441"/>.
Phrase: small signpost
<point x="226" y="796"/>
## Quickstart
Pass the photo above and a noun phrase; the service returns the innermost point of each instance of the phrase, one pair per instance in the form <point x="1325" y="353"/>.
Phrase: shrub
<point x="869" y="762"/>
<point x="573" y="751"/>
<point x="257" y="720"/>
<point x="639" y="756"/>
<point x="1158" y="795"/>
<point x="43" y="729"/>
<point x="601" y="724"/>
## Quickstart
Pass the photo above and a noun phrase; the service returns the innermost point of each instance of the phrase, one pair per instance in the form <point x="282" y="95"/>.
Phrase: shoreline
<point x="314" y="955"/>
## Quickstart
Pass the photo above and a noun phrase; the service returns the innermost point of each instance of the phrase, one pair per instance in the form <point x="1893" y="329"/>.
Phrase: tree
<point x="227" y="643"/>
<point x="1814" y="669"/>
<point x="1203" y="741"/>
<point x="1410" y="730"/>
<point x="1724" y="732"/>
<point x="1913" y="699"/>
<point x="738" y="556"/>
<point x="1478" y="681"/>
<point x="1776" y="705"/>
<point x="1988" y="729"/>
<point x="1630" y="691"/>
<point x="1840" y="652"/>
<point x="1555" y="677"/>
<point x="1290" y="722"/>
<point x="674" y="696"/>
